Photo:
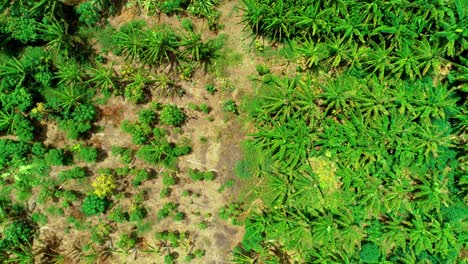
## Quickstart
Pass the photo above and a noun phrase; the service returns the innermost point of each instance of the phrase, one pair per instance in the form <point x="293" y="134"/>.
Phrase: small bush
<point x="104" y="185"/>
<point x="262" y="69"/>
<point x="230" y="106"/>
<point x="126" y="154"/>
<point x="165" y="192"/>
<point x="147" y="117"/>
<point x="74" y="173"/>
<point x="179" y="216"/>
<point x="138" y="213"/>
<point x="126" y="242"/>
<point x="93" y="205"/>
<point x="210" y="88"/>
<point x="172" y="115"/>
<point x="55" y="157"/>
<point x="118" y="215"/>
<point x="197" y="175"/>
<point x="168" y="180"/>
<point x="87" y="154"/>
<point x="140" y="177"/>
<point x="17" y="233"/>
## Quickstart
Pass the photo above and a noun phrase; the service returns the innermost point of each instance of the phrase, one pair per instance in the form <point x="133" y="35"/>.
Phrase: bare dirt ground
<point x="219" y="152"/>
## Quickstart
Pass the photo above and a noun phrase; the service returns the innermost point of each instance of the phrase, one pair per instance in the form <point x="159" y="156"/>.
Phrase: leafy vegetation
<point x="119" y="125"/>
<point x="358" y="153"/>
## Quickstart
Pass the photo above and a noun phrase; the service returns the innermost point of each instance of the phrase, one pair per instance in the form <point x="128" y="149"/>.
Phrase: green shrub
<point x="172" y="115"/>
<point x="39" y="218"/>
<point x="202" y="225"/>
<point x="169" y="259"/>
<point x="199" y="253"/>
<point x="118" y="215"/>
<point x="147" y="117"/>
<point x="165" y="192"/>
<point x="87" y="154"/>
<point x="126" y="242"/>
<point x="166" y="210"/>
<point x="126" y="154"/>
<point x="141" y="176"/>
<point x="197" y="175"/>
<point x="140" y="133"/>
<point x="16" y="234"/>
<point x="55" y="157"/>
<point x="93" y="205"/>
<point x="74" y="173"/>
<point x="138" y="213"/>
<point x="204" y="108"/>
<point x="370" y="253"/>
<point x="210" y="88"/>
<point x="230" y="106"/>
<point x="179" y="216"/>
<point x="169" y="180"/>
<point x="262" y="69"/>
<point x="89" y="13"/>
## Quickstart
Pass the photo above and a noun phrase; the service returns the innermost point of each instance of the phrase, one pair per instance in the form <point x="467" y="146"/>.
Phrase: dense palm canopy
<point x="368" y="158"/>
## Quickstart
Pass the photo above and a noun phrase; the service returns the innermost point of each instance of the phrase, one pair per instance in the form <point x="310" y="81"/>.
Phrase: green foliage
<point x="168" y="179"/>
<point x="370" y="253"/>
<point x="166" y="210"/>
<point x="89" y="13"/>
<point x="87" y="154"/>
<point x="138" y="213"/>
<point x="197" y="175"/>
<point x="126" y="154"/>
<point x="140" y="177"/>
<point x="147" y="117"/>
<point x="232" y="212"/>
<point x="172" y="115"/>
<point x="230" y="106"/>
<point x="16" y="234"/>
<point x="93" y="205"/>
<point x="118" y="215"/>
<point x="126" y="242"/>
<point x="210" y="88"/>
<point x="368" y="36"/>
<point x="55" y="157"/>
<point x="179" y="216"/>
<point x="74" y="173"/>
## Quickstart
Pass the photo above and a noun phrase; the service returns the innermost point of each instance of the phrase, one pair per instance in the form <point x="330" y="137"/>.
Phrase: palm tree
<point x="66" y="98"/>
<point x="102" y="78"/>
<point x="339" y="94"/>
<point x="375" y="101"/>
<point x="431" y="57"/>
<point x="159" y="46"/>
<point x="6" y="121"/>
<point x="129" y="43"/>
<point x="420" y="236"/>
<point x="277" y="24"/>
<point x="313" y="53"/>
<point x="312" y="21"/>
<point x="436" y="102"/>
<point x="287" y="144"/>
<point x="277" y="99"/>
<point x="406" y="61"/>
<point x="13" y="72"/>
<point x="432" y="193"/>
<point x="379" y="59"/>
<point x="57" y="35"/>
<point x="69" y="74"/>
<point x="254" y="13"/>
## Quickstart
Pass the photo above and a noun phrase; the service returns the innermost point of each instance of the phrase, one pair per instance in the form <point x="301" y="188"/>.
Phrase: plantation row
<point x="360" y="156"/>
<point x="386" y="38"/>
